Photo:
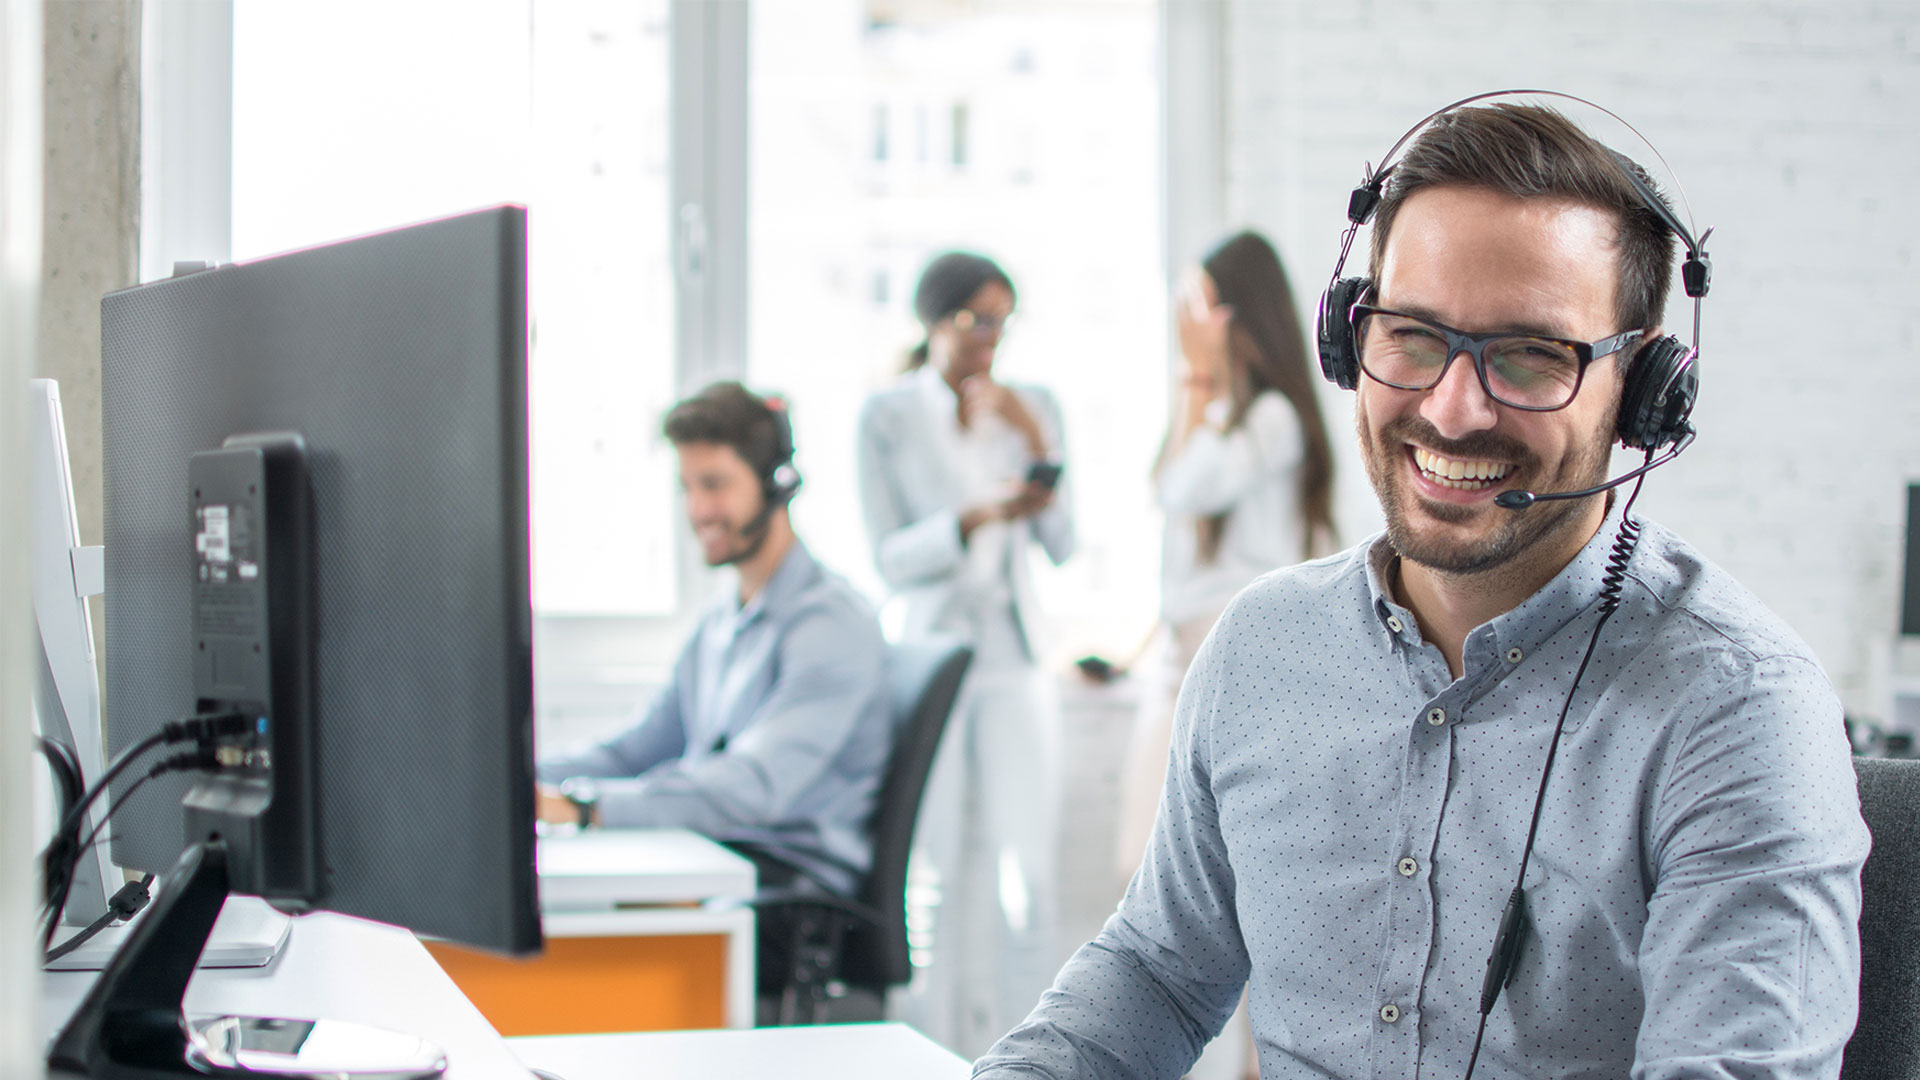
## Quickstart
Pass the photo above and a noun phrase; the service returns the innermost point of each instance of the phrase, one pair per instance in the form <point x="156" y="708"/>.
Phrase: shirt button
<point x="1436" y="717"/>
<point x="1408" y="866"/>
<point x="1394" y="624"/>
<point x="1390" y="1013"/>
<point x="1514" y="655"/>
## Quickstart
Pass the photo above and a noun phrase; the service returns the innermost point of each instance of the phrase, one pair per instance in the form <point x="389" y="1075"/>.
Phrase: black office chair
<point x="1886" y="1043"/>
<point x="846" y="954"/>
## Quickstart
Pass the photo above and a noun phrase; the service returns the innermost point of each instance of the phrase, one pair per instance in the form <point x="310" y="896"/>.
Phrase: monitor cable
<point x="65" y="850"/>
<point x="67" y="776"/>
<point x="1503" y="960"/>
<point x="124" y="903"/>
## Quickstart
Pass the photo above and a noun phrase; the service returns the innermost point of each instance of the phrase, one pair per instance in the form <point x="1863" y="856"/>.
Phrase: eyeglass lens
<point x="1528" y="372"/>
<point x="968" y="321"/>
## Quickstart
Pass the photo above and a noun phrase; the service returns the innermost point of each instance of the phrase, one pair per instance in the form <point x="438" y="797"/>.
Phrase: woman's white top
<point x="1251" y="472"/>
<point x="919" y="469"/>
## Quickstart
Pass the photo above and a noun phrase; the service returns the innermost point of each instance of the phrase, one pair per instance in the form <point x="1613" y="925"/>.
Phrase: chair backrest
<point x="1886" y="1044"/>
<point x="924" y="679"/>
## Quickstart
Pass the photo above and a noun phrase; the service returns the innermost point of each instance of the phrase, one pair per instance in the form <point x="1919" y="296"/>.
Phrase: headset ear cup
<point x="1333" y="332"/>
<point x="1658" y="397"/>
<point x="783" y="485"/>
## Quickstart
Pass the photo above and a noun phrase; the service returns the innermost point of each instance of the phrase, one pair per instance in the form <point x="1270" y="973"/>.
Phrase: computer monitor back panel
<point x="401" y="360"/>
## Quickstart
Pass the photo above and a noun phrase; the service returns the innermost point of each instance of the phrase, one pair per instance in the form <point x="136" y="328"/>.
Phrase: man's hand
<point x="552" y="807"/>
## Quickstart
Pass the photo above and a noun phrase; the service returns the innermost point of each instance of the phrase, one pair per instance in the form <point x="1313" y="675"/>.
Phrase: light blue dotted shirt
<point x="774" y="730"/>
<point x="1342" y="822"/>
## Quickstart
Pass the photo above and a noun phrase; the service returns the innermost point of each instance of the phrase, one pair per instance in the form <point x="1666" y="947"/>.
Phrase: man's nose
<point x="1458" y="405"/>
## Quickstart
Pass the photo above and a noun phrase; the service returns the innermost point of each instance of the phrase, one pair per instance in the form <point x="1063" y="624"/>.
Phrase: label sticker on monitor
<point x="213" y="540"/>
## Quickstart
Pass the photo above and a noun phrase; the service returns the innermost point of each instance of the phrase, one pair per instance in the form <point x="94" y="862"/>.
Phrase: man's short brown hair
<point x="728" y="413"/>
<point x="1530" y="151"/>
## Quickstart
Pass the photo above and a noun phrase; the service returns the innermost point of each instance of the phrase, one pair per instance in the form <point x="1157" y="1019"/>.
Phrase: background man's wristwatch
<point x="584" y="794"/>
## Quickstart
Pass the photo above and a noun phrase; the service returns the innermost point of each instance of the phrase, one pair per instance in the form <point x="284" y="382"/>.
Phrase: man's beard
<point x="1512" y="534"/>
<point x="748" y="540"/>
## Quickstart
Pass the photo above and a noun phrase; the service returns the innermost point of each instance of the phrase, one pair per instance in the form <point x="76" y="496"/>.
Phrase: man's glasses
<point x="972" y="322"/>
<point x="1539" y="374"/>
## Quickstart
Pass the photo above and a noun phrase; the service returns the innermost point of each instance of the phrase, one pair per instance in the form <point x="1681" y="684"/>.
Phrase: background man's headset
<point x="1663" y="378"/>
<point x="779" y="481"/>
<point x="1656" y="404"/>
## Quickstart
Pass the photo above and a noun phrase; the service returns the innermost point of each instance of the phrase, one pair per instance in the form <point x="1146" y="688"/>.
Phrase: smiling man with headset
<point x="1522" y="785"/>
<point x="773" y="732"/>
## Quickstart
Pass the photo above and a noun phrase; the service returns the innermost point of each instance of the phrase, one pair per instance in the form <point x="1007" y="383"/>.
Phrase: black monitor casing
<point x="399" y="360"/>
<point x="1910" y="596"/>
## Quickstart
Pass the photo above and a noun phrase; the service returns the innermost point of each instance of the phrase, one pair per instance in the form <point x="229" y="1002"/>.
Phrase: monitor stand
<point x="130" y="1025"/>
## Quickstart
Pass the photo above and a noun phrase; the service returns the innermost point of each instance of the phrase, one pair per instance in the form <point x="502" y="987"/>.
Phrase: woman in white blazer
<point x="960" y="477"/>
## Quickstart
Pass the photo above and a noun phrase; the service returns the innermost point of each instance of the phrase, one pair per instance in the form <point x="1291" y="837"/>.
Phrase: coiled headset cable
<point x="1514" y="923"/>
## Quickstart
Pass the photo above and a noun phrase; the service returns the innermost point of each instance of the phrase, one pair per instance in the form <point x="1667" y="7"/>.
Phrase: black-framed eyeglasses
<point x="968" y="321"/>
<point x="1538" y="374"/>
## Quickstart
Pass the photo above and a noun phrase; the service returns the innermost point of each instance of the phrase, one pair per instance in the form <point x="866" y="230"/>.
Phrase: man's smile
<point x="1459" y="473"/>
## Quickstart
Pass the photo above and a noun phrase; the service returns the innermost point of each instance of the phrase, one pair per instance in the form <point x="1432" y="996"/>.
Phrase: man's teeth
<point x="1464" y="475"/>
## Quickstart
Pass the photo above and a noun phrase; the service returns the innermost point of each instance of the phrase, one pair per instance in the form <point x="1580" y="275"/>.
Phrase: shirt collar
<point x="1516" y="633"/>
<point x="796" y="572"/>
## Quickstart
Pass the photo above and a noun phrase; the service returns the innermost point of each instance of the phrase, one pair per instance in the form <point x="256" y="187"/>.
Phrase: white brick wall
<point x="1792" y="124"/>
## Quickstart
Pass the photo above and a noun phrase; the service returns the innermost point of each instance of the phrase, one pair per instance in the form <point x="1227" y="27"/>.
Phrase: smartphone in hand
<point x="1045" y="474"/>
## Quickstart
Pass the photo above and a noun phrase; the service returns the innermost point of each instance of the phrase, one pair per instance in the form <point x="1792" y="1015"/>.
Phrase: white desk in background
<point x="340" y="968"/>
<point x="828" y="1052"/>
<point x="644" y="933"/>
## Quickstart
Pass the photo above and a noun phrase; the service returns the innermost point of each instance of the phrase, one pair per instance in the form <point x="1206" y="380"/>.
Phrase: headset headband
<point x="1696" y="272"/>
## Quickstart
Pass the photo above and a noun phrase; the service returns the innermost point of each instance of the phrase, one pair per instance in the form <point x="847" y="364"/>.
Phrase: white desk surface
<point x="603" y="868"/>
<point x="828" y="1052"/>
<point x="370" y="973"/>
<point x="342" y="968"/>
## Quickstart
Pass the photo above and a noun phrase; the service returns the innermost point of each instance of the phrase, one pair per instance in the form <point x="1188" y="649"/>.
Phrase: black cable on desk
<point x="202" y="757"/>
<point x="124" y="905"/>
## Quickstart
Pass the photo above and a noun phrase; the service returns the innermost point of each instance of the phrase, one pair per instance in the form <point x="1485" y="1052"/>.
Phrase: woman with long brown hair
<point x="1245" y="479"/>
<point x="1245" y="475"/>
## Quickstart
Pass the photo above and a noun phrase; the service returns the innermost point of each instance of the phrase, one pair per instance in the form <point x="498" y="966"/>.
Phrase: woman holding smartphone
<point x="961" y="475"/>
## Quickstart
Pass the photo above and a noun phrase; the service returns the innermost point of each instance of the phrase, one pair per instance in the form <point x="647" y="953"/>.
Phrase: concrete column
<point x="91" y="237"/>
<point x="91" y="232"/>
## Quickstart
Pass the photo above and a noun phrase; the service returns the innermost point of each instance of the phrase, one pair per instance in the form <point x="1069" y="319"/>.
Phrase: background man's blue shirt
<point x="1342" y="822"/>
<point x="794" y="682"/>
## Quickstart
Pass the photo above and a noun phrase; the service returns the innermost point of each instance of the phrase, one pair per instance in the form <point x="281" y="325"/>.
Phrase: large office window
<point x="833" y="147"/>
<point x="885" y="131"/>
<point x="381" y="114"/>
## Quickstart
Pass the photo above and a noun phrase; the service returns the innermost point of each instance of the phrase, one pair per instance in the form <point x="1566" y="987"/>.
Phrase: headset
<point x="1663" y="379"/>
<point x="779" y="481"/>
